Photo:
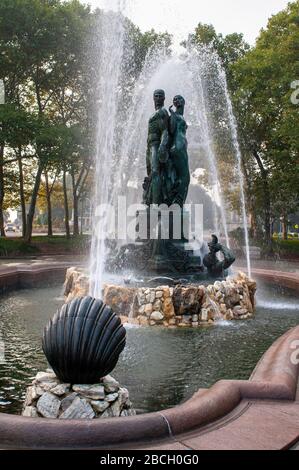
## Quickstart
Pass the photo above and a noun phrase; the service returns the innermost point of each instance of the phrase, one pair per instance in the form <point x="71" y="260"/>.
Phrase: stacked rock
<point x="179" y="306"/>
<point x="47" y="397"/>
<point x="185" y="306"/>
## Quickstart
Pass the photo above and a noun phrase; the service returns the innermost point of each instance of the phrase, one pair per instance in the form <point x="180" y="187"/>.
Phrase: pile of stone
<point x="76" y="284"/>
<point x="184" y="306"/>
<point x="47" y="397"/>
<point x="179" y="306"/>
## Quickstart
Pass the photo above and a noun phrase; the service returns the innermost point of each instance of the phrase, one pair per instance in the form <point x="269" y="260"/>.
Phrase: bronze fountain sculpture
<point x="165" y="190"/>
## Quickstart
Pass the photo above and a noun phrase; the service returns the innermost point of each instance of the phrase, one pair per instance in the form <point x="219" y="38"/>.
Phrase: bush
<point x="10" y="246"/>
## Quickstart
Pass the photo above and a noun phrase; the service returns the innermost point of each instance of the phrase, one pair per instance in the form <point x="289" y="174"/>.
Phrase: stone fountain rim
<point x="274" y="378"/>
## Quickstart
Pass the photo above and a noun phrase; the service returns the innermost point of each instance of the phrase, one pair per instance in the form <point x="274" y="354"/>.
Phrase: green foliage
<point x="268" y="120"/>
<point x="259" y="80"/>
<point x="230" y="48"/>
<point x="285" y="247"/>
<point x="13" y="247"/>
<point x="17" y="247"/>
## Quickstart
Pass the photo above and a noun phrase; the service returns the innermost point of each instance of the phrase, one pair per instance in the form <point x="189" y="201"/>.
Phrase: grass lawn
<point x="287" y="247"/>
<point x="42" y="244"/>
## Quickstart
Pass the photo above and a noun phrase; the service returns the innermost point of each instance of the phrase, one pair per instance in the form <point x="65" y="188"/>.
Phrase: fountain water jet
<point x="120" y="160"/>
<point x="111" y="54"/>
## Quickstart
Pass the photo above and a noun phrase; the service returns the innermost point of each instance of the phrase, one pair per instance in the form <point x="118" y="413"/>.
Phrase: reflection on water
<point x="160" y="367"/>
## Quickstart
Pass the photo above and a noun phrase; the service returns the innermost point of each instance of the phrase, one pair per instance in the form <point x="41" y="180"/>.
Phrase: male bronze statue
<point x="168" y="175"/>
<point x="157" y="150"/>
<point x="167" y="183"/>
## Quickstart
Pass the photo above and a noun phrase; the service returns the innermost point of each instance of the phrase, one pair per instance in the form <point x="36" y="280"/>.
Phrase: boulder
<point x="95" y="392"/>
<point x="48" y="405"/>
<point x="79" y="409"/>
<point x="187" y="300"/>
<point x="120" y="299"/>
<point x="110" y="384"/>
<point x="157" y="316"/>
<point x="168" y="308"/>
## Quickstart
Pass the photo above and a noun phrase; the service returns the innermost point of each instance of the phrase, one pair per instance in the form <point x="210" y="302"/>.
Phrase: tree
<point x="267" y="117"/>
<point x="41" y="38"/>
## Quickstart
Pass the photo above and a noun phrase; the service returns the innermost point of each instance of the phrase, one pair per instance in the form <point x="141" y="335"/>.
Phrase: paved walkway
<point x="286" y="266"/>
<point x="256" y="425"/>
<point x="44" y="260"/>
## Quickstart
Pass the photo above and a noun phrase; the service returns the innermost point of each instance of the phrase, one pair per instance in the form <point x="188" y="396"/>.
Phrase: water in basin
<point x="160" y="367"/>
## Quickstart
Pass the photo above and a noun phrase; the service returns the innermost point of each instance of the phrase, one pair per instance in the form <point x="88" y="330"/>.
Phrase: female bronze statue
<point x="178" y="151"/>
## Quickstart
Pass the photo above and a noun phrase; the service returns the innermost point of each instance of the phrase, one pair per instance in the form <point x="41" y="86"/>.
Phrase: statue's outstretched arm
<point x="229" y="257"/>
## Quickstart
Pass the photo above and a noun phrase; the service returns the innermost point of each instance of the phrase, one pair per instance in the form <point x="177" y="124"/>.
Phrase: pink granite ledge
<point x="16" y="277"/>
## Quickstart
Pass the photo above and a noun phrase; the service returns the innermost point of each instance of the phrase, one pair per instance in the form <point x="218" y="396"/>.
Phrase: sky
<point x="180" y="17"/>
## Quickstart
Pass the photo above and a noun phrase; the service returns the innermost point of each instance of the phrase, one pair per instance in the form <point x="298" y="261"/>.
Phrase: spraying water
<point x="235" y="141"/>
<point x="120" y="157"/>
<point x="110" y="53"/>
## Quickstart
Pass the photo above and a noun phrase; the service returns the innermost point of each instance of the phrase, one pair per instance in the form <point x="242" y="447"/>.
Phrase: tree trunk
<point x="75" y="206"/>
<point x="66" y="208"/>
<point x="2" y="226"/>
<point x="32" y="206"/>
<point x="253" y="225"/>
<point x="22" y="194"/>
<point x="49" y="206"/>
<point x="285" y="228"/>
<point x="267" y="200"/>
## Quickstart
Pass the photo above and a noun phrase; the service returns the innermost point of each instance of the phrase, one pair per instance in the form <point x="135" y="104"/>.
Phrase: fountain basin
<point x="228" y="403"/>
<point x="275" y="378"/>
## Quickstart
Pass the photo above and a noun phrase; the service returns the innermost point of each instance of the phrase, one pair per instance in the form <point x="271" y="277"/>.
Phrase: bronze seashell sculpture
<point x="83" y="341"/>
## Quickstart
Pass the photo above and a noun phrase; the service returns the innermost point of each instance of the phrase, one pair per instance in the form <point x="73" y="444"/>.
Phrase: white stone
<point x="159" y="295"/>
<point x="68" y="400"/>
<point x="46" y="377"/>
<point x="218" y="285"/>
<point x="39" y="390"/>
<point x="157" y="305"/>
<point x="60" y="389"/>
<point x="30" y="412"/>
<point x="79" y="409"/>
<point x="141" y="310"/>
<point x="152" y="296"/>
<point x="116" y="408"/>
<point x="100" y="406"/>
<point x="148" y="309"/>
<point x="31" y="395"/>
<point x="107" y="413"/>
<point x="204" y="314"/>
<point x="48" y="405"/>
<point x="95" y="392"/>
<point x="123" y="395"/>
<point x="157" y="316"/>
<point x="129" y="412"/>
<point x="48" y="386"/>
<point x="110" y="384"/>
<point x="111" y="397"/>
